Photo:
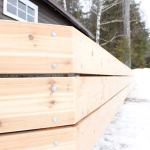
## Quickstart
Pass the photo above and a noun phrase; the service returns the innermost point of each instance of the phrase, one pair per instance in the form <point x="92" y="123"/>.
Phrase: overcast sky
<point x="145" y="11"/>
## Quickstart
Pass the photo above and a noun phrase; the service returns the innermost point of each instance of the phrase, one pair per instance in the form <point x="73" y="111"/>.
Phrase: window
<point x="22" y="10"/>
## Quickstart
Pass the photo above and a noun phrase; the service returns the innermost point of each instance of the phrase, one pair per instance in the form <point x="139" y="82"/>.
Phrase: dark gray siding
<point x="2" y="16"/>
<point x="46" y="14"/>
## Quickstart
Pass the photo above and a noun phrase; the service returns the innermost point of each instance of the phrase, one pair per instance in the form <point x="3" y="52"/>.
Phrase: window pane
<point x="11" y="9"/>
<point x="21" y="14"/>
<point x="30" y="11"/>
<point x="22" y="5"/>
<point x="30" y="19"/>
<point x="14" y="2"/>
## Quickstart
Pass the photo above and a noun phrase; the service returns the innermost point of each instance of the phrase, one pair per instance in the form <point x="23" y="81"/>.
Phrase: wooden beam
<point x="95" y="124"/>
<point x="70" y="137"/>
<point x="30" y="48"/>
<point x="92" y="92"/>
<point x="29" y="103"/>
<point x="95" y="59"/>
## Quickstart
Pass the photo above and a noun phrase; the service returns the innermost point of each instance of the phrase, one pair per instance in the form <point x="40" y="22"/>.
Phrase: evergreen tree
<point x="74" y="7"/>
<point x="111" y="37"/>
<point x="139" y="35"/>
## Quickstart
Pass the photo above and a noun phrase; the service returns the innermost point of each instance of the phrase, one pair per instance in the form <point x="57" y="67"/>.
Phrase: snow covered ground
<point x="130" y="128"/>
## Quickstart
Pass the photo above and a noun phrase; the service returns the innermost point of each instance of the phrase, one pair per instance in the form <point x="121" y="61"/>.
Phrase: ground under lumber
<point x="130" y="129"/>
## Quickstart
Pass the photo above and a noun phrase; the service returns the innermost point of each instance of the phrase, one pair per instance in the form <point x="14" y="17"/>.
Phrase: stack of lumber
<point x="69" y="111"/>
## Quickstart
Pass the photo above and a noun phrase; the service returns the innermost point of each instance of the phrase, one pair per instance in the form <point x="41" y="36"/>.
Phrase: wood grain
<point x="29" y="103"/>
<point x="30" y="48"/>
<point x="69" y="137"/>
<point x="39" y="140"/>
<point x="95" y="124"/>
<point x="92" y="92"/>
<point x="95" y="59"/>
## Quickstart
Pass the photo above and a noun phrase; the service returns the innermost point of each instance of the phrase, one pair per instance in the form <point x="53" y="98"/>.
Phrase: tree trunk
<point x="100" y="4"/>
<point x="65" y="6"/>
<point x="126" y="29"/>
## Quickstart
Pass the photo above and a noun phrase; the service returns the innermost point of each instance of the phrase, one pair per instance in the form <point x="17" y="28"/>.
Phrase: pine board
<point x="69" y="137"/>
<point x="30" y="48"/>
<point x="29" y="103"/>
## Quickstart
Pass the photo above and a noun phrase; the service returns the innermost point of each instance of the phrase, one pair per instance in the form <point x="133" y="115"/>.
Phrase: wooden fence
<point x="69" y="111"/>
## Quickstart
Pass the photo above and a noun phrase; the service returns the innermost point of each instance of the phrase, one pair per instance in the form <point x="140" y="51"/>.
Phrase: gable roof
<point x="67" y="15"/>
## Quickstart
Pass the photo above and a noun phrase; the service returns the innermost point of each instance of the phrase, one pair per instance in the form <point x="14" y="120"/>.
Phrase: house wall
<point x="46" y="14"/>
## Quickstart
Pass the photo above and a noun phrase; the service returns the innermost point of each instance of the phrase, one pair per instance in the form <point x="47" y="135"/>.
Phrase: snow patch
<point x="141" y="89"/>
<point x="130" y="128"/>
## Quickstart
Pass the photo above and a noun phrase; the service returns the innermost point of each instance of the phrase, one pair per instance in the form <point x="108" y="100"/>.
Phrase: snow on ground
<point x="130" y="128"/>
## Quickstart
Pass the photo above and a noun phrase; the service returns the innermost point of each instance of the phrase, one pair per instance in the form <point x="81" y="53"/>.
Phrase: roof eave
<point x="70" y="18"/>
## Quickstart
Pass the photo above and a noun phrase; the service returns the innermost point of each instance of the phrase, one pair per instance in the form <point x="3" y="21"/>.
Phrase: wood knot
<point x="30" y="37"/>
<point x="68" y="87"/>
<point x="52" y="102"/>
<point x="92" y="53"/>
<point x="68" y="62"/>
<point x="50" y="84"/>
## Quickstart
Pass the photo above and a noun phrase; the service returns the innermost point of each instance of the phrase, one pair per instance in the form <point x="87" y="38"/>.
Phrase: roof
<point x="67" y="15"/>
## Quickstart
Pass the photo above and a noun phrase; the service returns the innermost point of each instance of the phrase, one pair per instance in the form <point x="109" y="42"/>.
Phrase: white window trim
<point x="27" y="2"/>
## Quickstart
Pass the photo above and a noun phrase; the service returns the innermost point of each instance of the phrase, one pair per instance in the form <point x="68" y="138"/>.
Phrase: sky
<point x="145" y="11"/>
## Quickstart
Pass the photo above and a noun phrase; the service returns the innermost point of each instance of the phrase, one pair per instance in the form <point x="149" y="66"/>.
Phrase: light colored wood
<point x="95" y="124"/>
<point x="21" y="54"/>
<point x="29" y="103"/>
<point x="70" y="137"/>
<point x="39" y="140"/>
<point x="30" y="48"/>
<point x="95" y="59"/>
<point x="92" y="92"/>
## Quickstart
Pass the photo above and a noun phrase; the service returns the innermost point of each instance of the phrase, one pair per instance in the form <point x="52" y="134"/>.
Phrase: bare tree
<point x="100" y="9"/>
<point x="99" y="12"/>
<point x="65" y="6"/>
<point x="126" y="29"/>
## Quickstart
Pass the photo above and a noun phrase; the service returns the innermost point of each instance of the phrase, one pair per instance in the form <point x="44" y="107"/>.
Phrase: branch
<point x="103" y="29"/>
<point x="105" y="8"/>
<point x="93" y="11"/>
<point x="111" y="22"/>
<point x="133" y="20"/>
<point x="111" y="39"/>
<point x="90" y="8"/>
<point x="115" y="21"/>
<point x="110" y="6"/>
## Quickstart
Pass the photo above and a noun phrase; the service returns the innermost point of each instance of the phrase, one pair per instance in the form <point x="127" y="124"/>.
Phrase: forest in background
<point x="105" y="19"/>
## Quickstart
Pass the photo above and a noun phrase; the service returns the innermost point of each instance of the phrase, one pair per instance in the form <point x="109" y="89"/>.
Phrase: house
<point x="39" y="11"/>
